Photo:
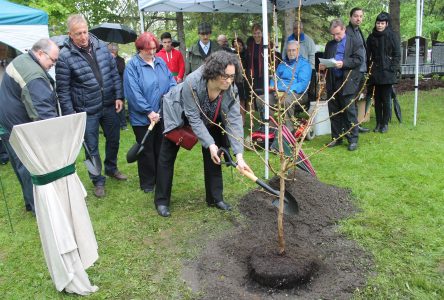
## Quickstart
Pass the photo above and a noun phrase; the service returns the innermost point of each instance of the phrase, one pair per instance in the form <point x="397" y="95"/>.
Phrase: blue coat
<point x="299" y="80"/>
<point x="78" y="88"/>
<point x="144" y="86"/>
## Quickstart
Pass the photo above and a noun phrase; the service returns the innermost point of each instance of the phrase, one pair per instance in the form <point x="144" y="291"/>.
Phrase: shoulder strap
<point x="219" y="101"/>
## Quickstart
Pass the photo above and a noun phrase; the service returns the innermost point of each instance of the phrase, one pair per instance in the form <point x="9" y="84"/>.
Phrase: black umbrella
<point x="114" y="33"/>
<point x="59" y="39"/>
<point x="396" y="106"/>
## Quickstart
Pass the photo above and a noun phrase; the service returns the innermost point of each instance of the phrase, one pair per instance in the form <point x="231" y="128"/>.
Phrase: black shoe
<point x="363" y="129"/>
<point x="163" y="210"/>
<point x="334" y="143"/>
<point x="221" y="205"/>
<point x="384" y="129"/>
<point x="377" y="128"/>
<point x="352" y="147"/>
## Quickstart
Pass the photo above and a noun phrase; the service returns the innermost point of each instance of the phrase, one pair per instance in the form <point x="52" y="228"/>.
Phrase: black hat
<point x="383" y="17"/>
<point x="204" y="28"/>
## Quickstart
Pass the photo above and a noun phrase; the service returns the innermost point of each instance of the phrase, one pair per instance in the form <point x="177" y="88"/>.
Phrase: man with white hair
<point x="292" y="79"/>
<point x="88" y="81"/>
<point x="27" y="94"/>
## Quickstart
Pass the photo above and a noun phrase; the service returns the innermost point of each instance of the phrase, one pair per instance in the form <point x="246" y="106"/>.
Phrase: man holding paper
<point x="345" y="56"/>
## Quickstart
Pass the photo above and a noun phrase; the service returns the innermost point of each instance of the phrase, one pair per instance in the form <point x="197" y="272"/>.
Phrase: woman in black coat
<point x="384" y="54"/>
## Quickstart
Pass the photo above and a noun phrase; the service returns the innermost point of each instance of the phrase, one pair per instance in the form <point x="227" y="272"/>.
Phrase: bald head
<point x="46" y="52"/>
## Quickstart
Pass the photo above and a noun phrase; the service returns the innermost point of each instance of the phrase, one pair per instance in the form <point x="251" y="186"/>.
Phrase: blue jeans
<point x="108" y="119"/>
<point x="23" y="176"/>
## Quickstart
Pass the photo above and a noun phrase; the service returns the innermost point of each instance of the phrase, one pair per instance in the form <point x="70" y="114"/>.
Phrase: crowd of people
<point x="208" y="84"/>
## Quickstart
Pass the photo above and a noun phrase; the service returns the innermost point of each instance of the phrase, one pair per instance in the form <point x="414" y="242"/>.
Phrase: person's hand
<point x="213" y="152"/>
<point x="154" y="117"/>
<point x="321" y="67"/>
<point x="242" y="165"/>
<point x="179" y="80"/>
<point x="119" y="105"/>
<point x="339" y="64"/>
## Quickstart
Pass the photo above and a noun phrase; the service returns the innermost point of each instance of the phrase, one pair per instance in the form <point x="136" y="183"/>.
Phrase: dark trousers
<point x="383" y="94"/>
<point x="23" y="176"/>
<point x="212" y="172"/>
<point x="122" y="117"/>
<point x="108" y="119"/>
<point x="4" y="157"/>
<point x="148" y="158"/>
<point x="342" y="122"/>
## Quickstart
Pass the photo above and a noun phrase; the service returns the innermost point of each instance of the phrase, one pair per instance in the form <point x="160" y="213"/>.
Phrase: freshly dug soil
<point x="335" y="266"/>
<point x="408" y="84"/>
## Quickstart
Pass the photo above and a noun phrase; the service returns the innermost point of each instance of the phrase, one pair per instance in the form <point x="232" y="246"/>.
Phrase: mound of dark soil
<point x="223" y="269"/>
<point x="408" y="84"/>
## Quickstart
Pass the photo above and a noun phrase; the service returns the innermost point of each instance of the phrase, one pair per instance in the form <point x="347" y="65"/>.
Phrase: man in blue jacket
<point x="88" y="81"/>
<point x="27" y="94"/>
<point x="293" y="77"/>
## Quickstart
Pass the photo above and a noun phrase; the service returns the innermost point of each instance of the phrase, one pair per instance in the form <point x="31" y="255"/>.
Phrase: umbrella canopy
<point x="114" y="33"/>
<point x="59" y="39"/>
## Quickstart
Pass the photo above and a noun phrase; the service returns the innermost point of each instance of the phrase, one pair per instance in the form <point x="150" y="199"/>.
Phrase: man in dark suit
<point x="343" y="83"/>
<point x="356" y="17"/>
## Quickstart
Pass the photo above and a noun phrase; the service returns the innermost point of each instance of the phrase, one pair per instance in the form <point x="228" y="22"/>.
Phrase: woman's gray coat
<point x="186" y="100"/>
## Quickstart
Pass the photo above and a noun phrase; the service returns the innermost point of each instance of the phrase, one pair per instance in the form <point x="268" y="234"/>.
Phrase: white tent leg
<point x="142" y="27"/>
<point x="266" y="83"/>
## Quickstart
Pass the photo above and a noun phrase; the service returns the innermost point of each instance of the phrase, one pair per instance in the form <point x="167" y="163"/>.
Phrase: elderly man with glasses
<point x="27" y="94"/>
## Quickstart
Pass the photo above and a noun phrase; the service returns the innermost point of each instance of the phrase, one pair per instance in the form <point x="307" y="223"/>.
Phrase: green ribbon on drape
<point x="53" y="176"/>
<point x="175" y="73"/>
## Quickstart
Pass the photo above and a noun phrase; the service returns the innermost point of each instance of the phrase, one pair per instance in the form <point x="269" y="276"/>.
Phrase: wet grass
<point x="396" y="179"/>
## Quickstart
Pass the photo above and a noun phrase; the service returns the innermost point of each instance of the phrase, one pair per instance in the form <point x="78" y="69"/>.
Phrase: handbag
<point x="184" y="136"/>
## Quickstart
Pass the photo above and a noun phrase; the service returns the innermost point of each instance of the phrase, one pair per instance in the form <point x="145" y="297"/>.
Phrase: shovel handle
<point x="147" y="132"/>
<point x="247" y="174"/>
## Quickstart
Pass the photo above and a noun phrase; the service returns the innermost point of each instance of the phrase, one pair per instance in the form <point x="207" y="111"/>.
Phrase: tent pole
<point x="418" y="33"/>
<point x="266" y="83"/>
<point x="142" y="27"/>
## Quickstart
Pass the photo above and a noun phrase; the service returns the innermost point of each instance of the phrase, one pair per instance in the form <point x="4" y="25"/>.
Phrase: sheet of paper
<point x="328" y="63"/>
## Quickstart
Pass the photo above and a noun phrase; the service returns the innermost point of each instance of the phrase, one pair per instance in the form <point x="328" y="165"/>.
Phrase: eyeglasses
<point x="228" y="76"/>
<point x="204" y="33"/>
<point x="49" y="56"/>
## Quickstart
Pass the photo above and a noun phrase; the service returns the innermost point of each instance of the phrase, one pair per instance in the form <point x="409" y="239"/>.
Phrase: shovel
<point x="92" y="166"/>
<point x="291" y="206"/>
<point x="134" y="151"/>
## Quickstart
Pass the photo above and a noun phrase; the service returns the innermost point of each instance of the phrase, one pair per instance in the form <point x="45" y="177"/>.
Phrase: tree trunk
<point x="181" y="33"/>
<point x="289" y="18"/>
<point x="394" y="8"/>
<point x="281" y="240"/>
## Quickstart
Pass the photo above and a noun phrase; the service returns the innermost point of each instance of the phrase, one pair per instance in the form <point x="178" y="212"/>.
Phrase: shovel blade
<point x="291" y="206"/>
<point x="131" y="155"/>
<point x="91" y="167"/>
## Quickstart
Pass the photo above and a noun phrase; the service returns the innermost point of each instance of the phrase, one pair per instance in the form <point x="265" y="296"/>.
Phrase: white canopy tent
<point x="230" y="6"/>
<point x="21" y="26"/>
<point x="257" y="6"/>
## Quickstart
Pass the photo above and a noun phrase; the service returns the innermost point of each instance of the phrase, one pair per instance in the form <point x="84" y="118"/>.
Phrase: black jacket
<point x="353" y="58"/>
<point x="78" y="88"/>
<point x="383" y="56"/>
<point x="359" y="36"/>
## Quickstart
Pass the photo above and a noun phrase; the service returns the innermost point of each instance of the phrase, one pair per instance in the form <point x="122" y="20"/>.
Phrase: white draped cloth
<point x="66" y="232"/>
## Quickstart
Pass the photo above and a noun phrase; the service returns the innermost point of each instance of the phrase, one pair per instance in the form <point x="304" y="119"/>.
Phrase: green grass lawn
<point x="396" y="179"/>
